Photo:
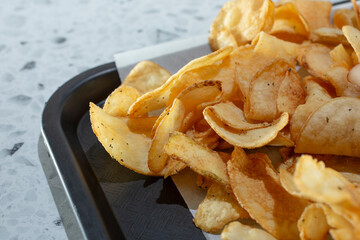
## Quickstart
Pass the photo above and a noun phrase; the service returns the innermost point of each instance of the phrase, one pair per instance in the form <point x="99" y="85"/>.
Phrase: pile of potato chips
<point x="282" y="74"/>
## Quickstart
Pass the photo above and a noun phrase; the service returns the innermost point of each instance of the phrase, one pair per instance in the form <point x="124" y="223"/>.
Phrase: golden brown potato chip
<point x="247" y="139"/>
<point x="263" y="102"/>
<point x="316" y="96"/>
<point x="344" y="17"/>
<point x="332" y="129"/>
<point x="141" y="125"/>
<point x="217" y="209"/>
<point x="158" y="98"/>
<point x="173" y="167"/>
<point x="256" y="186"/>
<point x="354" y="76"/>
<point x="341" y="57"/>
<point x="356" y="11"/>
<point x="328" y="36"/>
<point x="146" y="76"/>
<point x="316" y="13"/>
<point x="199" y="158"/>
<point x="240" y="20"/>
<point x="203" y="182"/>
<point x="353" y="36"/>
<point x="233" y="116"/>
<point x="170" y="123"/>
<point x="274" y="47"/>
<point x="289" y="24"/>
<point x="312" y="223"/>
<point x="237" y="230"/>
<point x="282" y="139"/>
<point x="119" y="101"/>
<point x="128" y="148"/>
<point x="326" y="185"/>
<point x="207" y="138"/>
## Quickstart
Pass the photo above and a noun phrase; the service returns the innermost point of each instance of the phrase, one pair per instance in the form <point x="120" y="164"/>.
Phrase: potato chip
<point x="119" y="101"/>
<point x="325" y="185"/>
<point x="316" y="96"/>
<point x="237" y="230"/>
<point x="332" y="129"/>
<point x="328" y="36"/>
<point x="247" y="139"/>
<point x="128" y="148"/>
<point x="263" y="101"/>
<point x="199" y="158"/>
<point x="341" y="57"/>
<point x="173" y="167"/>
<point x="354" y="76"/>
<point x="158" y="98"/>
<point x="233" y="116"/>
<point x="353" y="36"/>
<point x="240" y="20"/>
<point x="356" y="11"/>
<point x="170" y="123"/>
<point x="344" y="17"/>
<point x="217" y="209"/>
<point x="256" y="186"/>
<point x="316" y="13"/>
<point x="289" y="24"/>
<point x="282" y="139"/>
<point x="276" y="48"/>
<point x="146" y="76"/>
<point x="312" y="223"/>
<point x="203" y="182"/>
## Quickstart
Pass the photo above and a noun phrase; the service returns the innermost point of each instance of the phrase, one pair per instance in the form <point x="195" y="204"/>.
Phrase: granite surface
<point x="43" y="43"/>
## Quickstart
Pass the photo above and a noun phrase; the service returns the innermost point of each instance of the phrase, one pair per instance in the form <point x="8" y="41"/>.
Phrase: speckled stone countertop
<point x="44" y="43"/>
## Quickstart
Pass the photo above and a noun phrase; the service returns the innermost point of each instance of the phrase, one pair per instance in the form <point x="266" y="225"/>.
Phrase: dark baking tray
<point x="108" y="200"/>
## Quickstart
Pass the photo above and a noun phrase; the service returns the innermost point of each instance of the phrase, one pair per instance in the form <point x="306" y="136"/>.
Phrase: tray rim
<point x="76" y="187"/>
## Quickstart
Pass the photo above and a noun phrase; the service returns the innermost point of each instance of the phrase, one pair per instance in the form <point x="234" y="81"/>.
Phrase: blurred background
<point x="44" y="43"/>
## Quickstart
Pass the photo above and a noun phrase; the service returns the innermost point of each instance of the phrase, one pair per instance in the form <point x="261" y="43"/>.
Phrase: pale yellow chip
<point x="128" y="148"/>
<point x="312" y="223"/>
<point x="233" y="116"/>
<point x="247" y="139"/>
<point x="158" y="98"/>
<point x="276" y="48"/>
<point x="344" y="17"/>
<point x="328" y="36"/>
<point x="341" y="57"/>
<point x="173" y="167"/>
<point x="269" y="92"/>
<point x="217" y="209"/>
<point x="240" y="21"/>
<point x="334" y="128"/>
<point x="146" y="76"/>
<point x="256" y="185"/>
<point x="170" y="123"/>
<point x="353" y="36"/>
<point x="354" y="76"/>
<point x="119" y="101"/>
<point x="237" y="230"/>
<point x="199" y="158"/>
<point x="289" y="24"/>
<point x="316" y="96"/>
<point x="316" y="13"/>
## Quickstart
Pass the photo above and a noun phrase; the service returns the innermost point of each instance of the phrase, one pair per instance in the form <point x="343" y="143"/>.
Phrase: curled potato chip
<point x="256" y="186"/>
<point x="233" y="116"/>
<point x="199" y="158"/>
<point x="328" y="35"/>
<point x="344" y="17"/>
<point x="271" y="90"/>
<point x="247" y="139"/>
<point x="353" y="36"/>
<point x="341" y="57"/>
<point x="240" y="20"/>
<point x="217" y="209"/>
<point x="312" y="223"/>
<point x="170" y="123"/>
<point x="128" y="148"/>
<point x="237" y="230"/>
<point x="146" y="76"/>
<point x="316" y="96"/>
<point x="332" y="129"/>
<point x="158" y="98"/>
<point x="173" y="167"/>
<point x="325" y="185"/>
<point x="119" y="101"/>
<point x="274" y="47"/>
<point x="316" y="13"/>
<point x="282" y="139"/>
<point x="289" y="24"/>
